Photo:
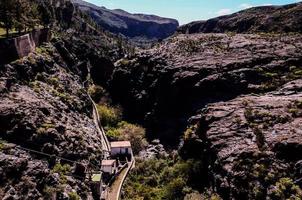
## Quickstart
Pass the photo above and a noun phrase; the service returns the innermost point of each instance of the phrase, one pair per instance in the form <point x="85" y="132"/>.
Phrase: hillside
<point x="213" y="115"/>
<point x="259" y="19"/>
<point x="134" y="26"/>
<point x="48" y="135"/>
<point x="234" y="100"/>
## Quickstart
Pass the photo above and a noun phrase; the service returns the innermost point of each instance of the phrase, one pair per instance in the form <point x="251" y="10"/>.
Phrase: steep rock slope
<point x="167" y="84"/>
<point x="46" y="116"/>
<point x="130" y="25"/>
<point x="251" y="146"/>
<point x="44" y="108"/>
<point x="259" y="19"/>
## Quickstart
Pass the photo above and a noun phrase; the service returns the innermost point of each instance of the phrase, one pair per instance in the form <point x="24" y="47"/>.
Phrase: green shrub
<point x="260" y="139"/>
<point x="54" y="81"/>
<point x="161" y="178"/>
<point x="44" y="127"/>
<point x="49" y="192"/>
<point x="113" y="133"/>
<point x="135" y="134"/>
<point x="96" y="92"/>
<point x="73" y="196"/>
<point x="110" y="116"/>
<point x="2" y="144"/>
<point x="189" y="132"/>
<point x="286" y="189"/>
<point x="126" y="131"/>
<point x="61" y="169"/>
<point x="174" y="189"/>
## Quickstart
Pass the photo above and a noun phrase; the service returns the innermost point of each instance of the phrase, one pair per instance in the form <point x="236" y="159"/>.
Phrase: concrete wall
<point x="109" y="169"/>
<point x="15" y="48"/>
<point x="120" y="150"/>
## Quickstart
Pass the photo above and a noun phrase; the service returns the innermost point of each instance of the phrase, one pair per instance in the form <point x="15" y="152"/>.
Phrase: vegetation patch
<point x="274" y="78"/>
<point x="73" y="196"/>
<point x="265" y="119"/>
<point x="295" y="109"/>
<point x="110" y="116"/>
<point x="61" y="169"/>
<point x="286" y="189"/>
<point x="45" y="127"/>
<point x="131" y="132"/>
<point x="96" y="92"/>
<point x="161" y="179"/>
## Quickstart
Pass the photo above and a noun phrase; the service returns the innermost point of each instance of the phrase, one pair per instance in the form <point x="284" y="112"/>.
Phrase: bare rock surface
<point x="45" y="112"/>
<point x="250" y="142"/>
<point x="167" y="84"/>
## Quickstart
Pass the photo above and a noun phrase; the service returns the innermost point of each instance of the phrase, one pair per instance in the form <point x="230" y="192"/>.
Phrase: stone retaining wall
<point x="15" y="48"/>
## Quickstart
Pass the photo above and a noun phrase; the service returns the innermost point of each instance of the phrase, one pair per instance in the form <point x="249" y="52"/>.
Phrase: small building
<point x="109" y="166"/>
<point x="121" y="148"/>
<point x="97" y="184"/>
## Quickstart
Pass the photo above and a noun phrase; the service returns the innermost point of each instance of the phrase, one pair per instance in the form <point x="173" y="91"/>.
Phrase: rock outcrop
<point x="167" y="84"/>
<point x="46" y="118"/>
<point x="44" y="108"/>
<point x="134" y="26"/>
<point x="259" y="19"/>
<point x="250" y="143"/>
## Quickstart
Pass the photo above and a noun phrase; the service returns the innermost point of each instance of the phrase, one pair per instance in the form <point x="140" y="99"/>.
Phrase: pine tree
<point x="7" y="14"/>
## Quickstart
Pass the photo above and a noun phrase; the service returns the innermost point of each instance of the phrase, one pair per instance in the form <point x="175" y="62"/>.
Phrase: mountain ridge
<point x="284" y="18"/>
<point x="130" y="25"/>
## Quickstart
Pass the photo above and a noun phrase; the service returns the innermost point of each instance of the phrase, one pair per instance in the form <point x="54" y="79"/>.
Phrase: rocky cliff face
<point x="240" y="93"/>
<point x="167" y="84"/>
<point x="131" y="25"/>
<point x="251" y="145"/>
<point x="46" y="118"/>
<point x="260" y="19"/>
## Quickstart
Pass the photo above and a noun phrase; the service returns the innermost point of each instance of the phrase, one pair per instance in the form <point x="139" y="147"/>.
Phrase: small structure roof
<point x="96" y="177"/>
<point x="108" y="162"/>
<point x="120" y="144"/>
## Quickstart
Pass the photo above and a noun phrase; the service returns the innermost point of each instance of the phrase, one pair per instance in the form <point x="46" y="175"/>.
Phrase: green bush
<point x="174" y="189"/>
<point x="160" y="179"/>
<point x="110" y="116"/>
<point x="131" y="132"/>
<point x="2" y="144"/>
<point x="49" y="192"/>
<point x="134" y="133"/>
<point x="286" y="189"/>
<point x="54" y="81"/>
<point x="73" y="196"/>
<point x="44" y="127"/>
<point x="61" y="169"/>
<point x="96" y="92"/>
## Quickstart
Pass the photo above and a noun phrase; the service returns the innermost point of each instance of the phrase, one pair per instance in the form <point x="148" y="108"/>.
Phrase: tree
<point x="18" y="14"/>
<point x="7" y="14"/>
<point x="46" y="13"/>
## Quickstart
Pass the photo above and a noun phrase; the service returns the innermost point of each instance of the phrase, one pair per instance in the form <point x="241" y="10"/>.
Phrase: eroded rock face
<point x="169" y="83"/>
<point x="44" y="107"/>
<point x="259" y="19"/>
<point x="24" y="177"/>
<point x="250" y="142"/>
